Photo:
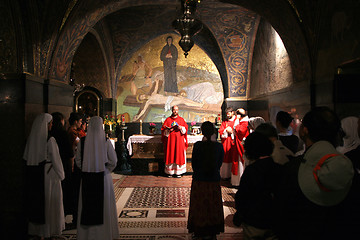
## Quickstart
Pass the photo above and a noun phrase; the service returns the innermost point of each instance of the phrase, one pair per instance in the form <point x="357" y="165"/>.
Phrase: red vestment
<point x="176" y="143"/>
<point x="228" y="143"/>
<point x="81" y="133"/>
<point x="241" y="132"/>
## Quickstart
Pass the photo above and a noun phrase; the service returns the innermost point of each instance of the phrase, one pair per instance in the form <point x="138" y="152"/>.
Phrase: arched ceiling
<point x="227" y="36"/>
<point x="83" y="16"/>
<point x="284" y="16"/>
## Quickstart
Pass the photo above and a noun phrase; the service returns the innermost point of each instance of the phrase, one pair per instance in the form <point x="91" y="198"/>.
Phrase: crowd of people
<point x="287" y="192"/>
<point x="291" y="184"/>
<point x="293" y="181"/>
<point x="68" y="172"/>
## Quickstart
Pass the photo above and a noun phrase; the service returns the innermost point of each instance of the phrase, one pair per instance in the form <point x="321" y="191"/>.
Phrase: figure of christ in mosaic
<point x="174" y="137"/>
<point x="169" y="56"/>
<point x="154" y="98"/>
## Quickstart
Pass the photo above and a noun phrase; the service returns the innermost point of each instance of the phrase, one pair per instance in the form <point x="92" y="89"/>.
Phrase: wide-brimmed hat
<point x="334" y="175"/>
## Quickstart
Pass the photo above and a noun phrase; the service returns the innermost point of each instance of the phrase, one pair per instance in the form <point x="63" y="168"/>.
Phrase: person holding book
<point x="174" y="136"/>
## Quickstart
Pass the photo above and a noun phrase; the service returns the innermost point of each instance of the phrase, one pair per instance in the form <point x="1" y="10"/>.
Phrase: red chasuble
<point x="241" y="132"/>
<point x="229" y="146"/>
<point x="176" y="143"/>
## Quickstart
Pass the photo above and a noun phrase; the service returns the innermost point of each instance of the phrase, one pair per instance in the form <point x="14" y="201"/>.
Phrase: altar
<point x="147" y="152"/>
<point x="150" y="146"/>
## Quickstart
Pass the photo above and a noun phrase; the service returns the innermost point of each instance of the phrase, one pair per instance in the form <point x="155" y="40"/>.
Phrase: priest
<point x="174" y="137"/>
<point x="241" y="132"/>
<point x="227" y="135"/>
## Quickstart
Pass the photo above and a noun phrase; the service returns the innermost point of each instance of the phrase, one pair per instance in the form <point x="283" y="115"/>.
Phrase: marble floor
<point x="156" y="208"/>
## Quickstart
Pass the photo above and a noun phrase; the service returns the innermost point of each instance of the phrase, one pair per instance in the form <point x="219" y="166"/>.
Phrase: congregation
<point x="293" y="180"/>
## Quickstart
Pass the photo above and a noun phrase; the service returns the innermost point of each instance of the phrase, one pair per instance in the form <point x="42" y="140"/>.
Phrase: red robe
<point x="176" y="143"/>
<point x="229" y="146"/>
<point x="241" y="132"/>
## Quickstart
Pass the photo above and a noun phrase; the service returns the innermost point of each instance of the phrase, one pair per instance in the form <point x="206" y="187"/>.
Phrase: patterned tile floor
<point x="156" y="208"/>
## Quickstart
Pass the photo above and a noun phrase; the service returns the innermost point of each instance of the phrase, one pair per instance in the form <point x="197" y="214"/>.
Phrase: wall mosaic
<point x="234" y="29"/>
<point x="141" y="94"/>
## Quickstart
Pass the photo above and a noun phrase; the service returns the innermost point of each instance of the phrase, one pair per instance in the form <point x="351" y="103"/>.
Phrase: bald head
<point x="175" y="111"/>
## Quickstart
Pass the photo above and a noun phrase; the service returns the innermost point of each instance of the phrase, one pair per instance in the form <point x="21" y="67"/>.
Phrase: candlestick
<point x="141" y="127"/>
<point x="218" y="119"/>
<point x="123" y="120"/>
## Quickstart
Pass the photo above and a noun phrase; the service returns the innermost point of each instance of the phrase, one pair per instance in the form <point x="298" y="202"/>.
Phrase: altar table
<point x="150" y="146"/>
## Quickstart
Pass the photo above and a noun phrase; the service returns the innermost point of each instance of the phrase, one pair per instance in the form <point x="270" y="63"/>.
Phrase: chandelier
<point x="187" y="25"/>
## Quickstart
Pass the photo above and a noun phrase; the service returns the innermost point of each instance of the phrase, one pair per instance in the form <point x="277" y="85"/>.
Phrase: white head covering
<point x="36" y="145"/>
<point x="95" y="151"/>
<point x="351" y="138"/>
<point x="254" y="122"/>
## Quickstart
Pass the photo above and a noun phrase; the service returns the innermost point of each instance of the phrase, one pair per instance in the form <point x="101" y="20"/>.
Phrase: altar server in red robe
<point x="241" y="132"/>
<point x="174" y="136"/>
<point x="227" y="136"/>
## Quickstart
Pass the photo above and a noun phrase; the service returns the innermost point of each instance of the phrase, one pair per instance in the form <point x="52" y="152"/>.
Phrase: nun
<point x="44" y="173"/>
<point x="96" y="157"/>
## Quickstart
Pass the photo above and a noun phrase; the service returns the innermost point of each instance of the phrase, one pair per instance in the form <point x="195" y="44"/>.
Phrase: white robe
<point x="109" y="229"/>
<point x="54" y="209"/>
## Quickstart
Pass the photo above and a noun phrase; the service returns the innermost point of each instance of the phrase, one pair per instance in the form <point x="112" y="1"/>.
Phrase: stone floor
<point x="156" y="207"/>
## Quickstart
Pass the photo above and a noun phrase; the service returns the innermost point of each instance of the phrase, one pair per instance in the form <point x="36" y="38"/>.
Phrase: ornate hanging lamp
<point x="187" y="25"/>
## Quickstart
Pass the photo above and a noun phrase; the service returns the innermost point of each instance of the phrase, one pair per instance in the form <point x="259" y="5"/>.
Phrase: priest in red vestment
<point x="227" y="136"/>
<point x="174" y="136"/>
<point x="241" y="132"/>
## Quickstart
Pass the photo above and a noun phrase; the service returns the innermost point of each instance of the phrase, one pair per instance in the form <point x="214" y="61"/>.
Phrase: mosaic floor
<point x="156" y="208"/>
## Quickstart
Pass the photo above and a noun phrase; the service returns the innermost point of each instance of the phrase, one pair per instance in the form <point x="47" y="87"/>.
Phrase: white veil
<point x="36" y="145"/>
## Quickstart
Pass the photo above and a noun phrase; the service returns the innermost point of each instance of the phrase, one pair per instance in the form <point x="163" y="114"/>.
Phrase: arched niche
<point x="89" y="102"/>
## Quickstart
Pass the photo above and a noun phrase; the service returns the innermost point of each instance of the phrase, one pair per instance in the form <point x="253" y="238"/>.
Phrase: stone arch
<point x="283" y="18"/>
<point x="83" y="17"/>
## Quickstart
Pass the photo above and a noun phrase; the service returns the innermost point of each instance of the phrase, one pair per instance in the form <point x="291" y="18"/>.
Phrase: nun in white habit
<point x="45" y="172"/>
<point x="351" y="139"/>
<point x="97" y="207"/>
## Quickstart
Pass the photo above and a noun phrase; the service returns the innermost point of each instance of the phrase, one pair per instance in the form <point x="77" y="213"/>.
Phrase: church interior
<point x="102" y="58"/>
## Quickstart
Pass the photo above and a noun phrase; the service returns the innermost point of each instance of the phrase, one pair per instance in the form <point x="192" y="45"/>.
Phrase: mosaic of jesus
<point x="158" y="76"/>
